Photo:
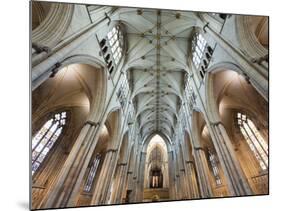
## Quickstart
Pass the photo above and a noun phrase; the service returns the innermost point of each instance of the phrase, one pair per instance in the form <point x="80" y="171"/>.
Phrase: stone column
<point x="140" y="181"/>
<point x="131" y="167"/>
<point x="178" y="187"/>
<point x="73" y="166"/>
<point x="101" y="191"/>
<point x="120" y="183"/>
<point x="203" y="175"/>
<point x="183" y="183"/>
<point x="192" y="180"/>
<point x="177" y="181"/>
<point x="172" y="190"/>
<point x="184" y="186"/>
<point x="236" y="180"/>
<point x="257" y="74"/>
<point x="130" y="186"/>
<point x="134" y="184"/>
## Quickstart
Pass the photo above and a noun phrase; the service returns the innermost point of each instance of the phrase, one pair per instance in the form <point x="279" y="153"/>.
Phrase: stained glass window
<point x="115" y="36"/>
<point x="198" y="47"/>
<point x="45" y="138"/>
<point x="215" y="170"/>
<point x="256" y="142"/>
<point x="92" y="173"/>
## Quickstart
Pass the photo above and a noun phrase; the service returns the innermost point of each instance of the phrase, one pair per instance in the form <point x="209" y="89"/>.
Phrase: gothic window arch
<point x="214" y="165"/>
<point x="198" y="47"/>
<point x="112" y="47"/>
<point x="92" y="173"/>
<point x="115" y="38"/>
<point x="254" y="139"/>
<point x="45" y="138"/>
<point x="201" y="53"/>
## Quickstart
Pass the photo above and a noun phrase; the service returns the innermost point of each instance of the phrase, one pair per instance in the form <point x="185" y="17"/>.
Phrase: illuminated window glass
<point x="215" y="170"/>
<point x="45" y="138"/>
<point x="114" y="37"/>
<point x="92" y="173"/>
<point x="198" y="47"/>
<point x="256" y="142"/>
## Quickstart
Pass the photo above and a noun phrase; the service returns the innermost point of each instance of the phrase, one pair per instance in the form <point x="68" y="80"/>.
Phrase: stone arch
<point x="227" y="94"/>
<point x="253" y="34"/>
<point x="94" y="88"/>
<point x="39" y="12"/>
<point x="56" y="19"/>
<point x="100" y="150"/>
<point x="51" y="166"/>
<point x="203" y="142"/>
<point x="151" y="149"/>
<point x="163" y="136"/>
<point x="113" y="123"/>
<point x="213" y="98"/>
<point x="213" y="113"/>
<point x="74" y="91"/>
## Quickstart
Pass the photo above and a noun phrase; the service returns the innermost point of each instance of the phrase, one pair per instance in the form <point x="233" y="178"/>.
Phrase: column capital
<point x="122" y="164"/>
<point x="216" y="123"/>
<point x="55" y="69"/>
<point x="91" y="123"/>
<point x="198" y="148"/>
<point x="111" y="150"/>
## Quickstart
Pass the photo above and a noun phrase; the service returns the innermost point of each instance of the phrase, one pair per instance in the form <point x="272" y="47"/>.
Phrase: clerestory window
<point x="115" y="38"/>
<point x="198" y="47"/>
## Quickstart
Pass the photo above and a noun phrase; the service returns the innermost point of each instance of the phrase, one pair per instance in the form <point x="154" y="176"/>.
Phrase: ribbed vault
<point x="156" y="58"/>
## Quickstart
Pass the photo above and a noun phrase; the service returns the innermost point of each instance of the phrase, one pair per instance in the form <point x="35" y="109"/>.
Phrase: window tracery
<point x="255" y="141"/>
<point x="112" y="47"/>
<point x="45" y="138"/>
<point x="92" y="173"/>
<point x="213" y="161"/>
<point x="201" y="53"/>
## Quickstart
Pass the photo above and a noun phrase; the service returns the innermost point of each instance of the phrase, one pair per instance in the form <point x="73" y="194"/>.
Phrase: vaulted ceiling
<point x="158" y="46"/>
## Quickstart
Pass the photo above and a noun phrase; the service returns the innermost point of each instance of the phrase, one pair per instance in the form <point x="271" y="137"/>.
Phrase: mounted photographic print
<point x="138" y="105"/>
